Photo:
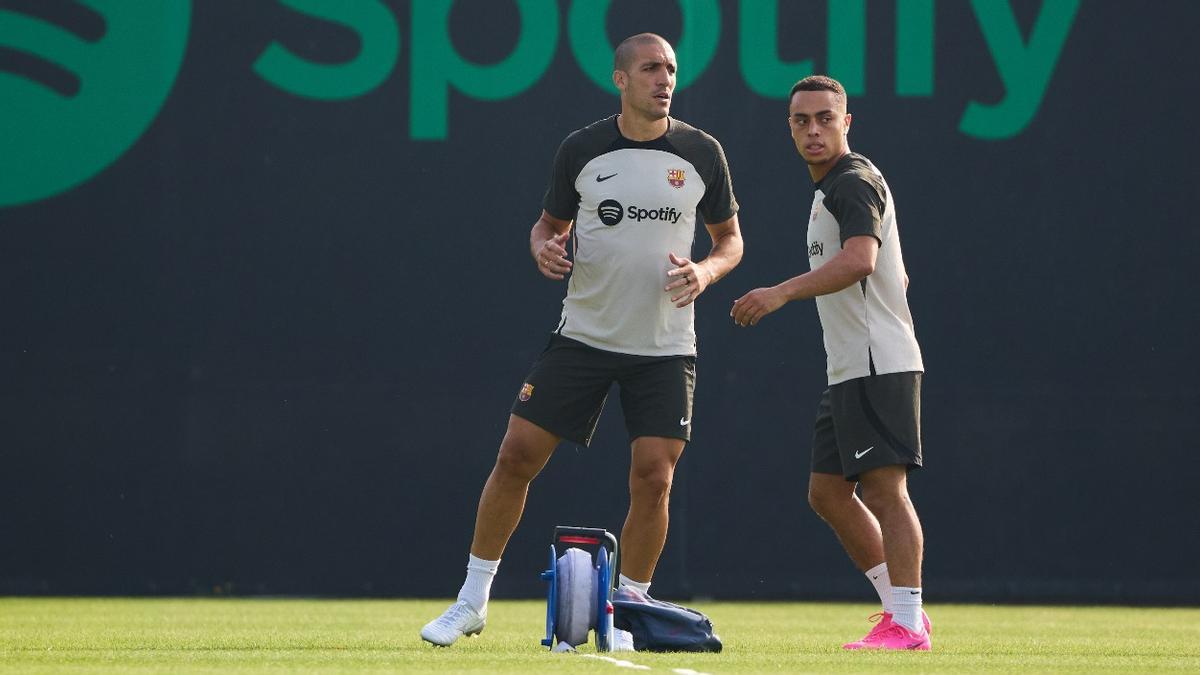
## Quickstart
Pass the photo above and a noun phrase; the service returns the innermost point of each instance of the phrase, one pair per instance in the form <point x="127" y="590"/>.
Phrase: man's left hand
<point x="686" y="282"/>
<point x="749" y="309"/>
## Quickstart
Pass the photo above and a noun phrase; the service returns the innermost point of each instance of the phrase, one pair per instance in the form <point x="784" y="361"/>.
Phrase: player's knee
<point x="826" y="502"/>
<point x="885" y="488"/>
<point x="651" y="484"/>
<point x="885" y="498"/>
<point x="516" y="463"/>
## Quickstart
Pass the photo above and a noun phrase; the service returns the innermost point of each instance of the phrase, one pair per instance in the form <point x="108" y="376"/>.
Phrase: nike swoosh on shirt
<point x="684" y="421"/>
<point x="601" y="179"/>
<point x="859" y="455"/>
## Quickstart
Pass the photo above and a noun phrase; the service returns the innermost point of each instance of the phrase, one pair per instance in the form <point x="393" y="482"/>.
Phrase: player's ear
<point x="620" y="79"/>
<point x="848" y="120"/>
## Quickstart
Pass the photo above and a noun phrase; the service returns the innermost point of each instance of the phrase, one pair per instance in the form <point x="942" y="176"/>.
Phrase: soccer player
<point x="629" y="186"/>
<point x="868" y="430"/>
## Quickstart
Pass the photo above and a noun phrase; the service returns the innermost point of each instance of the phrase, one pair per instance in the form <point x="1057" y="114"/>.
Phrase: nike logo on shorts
<point x="859" y="455"/>
<point x="684" y="421"/>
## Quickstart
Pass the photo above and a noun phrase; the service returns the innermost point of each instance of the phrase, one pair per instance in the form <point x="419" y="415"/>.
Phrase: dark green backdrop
<point x="270" y="348"/>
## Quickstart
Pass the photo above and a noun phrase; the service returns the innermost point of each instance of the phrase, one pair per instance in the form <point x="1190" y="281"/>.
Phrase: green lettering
<point x="437" y="66"/>
<point x="914" y="47"/>
<point x="380" y="38"/>
<point x="1024" y="68"/>
<point x="758" y="51"/>
<point x="586" y="28"/>
<point x="848" y="44"/>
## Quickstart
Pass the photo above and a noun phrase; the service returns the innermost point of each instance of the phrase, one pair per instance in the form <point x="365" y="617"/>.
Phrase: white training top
<point x="868" y="327"/>
<point x="633" y="203"/>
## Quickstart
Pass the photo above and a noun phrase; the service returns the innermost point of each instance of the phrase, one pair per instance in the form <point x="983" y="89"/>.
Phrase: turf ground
<point x="55" y="635"/>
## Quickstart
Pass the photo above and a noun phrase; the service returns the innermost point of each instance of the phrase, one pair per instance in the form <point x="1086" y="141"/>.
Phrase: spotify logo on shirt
<point x="80" y="82"/>
<point x="610" y="211"/>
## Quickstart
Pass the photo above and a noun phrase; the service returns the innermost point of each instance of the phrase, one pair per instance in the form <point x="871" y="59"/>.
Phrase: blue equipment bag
<point x="659" y="626"/>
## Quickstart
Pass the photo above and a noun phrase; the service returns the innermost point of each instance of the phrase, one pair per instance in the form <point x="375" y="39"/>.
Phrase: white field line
<point x="621" y="663"/>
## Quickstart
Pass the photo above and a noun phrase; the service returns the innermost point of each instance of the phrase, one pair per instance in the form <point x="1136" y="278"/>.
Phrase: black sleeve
<point x="718" y="203"/>
<point x="857" y="202"/>
<point x="562" y="199"/>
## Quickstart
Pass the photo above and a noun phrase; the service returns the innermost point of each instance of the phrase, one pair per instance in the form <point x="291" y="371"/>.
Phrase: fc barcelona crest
<point x="526" y="392"/>
<point x="675" y="177"/>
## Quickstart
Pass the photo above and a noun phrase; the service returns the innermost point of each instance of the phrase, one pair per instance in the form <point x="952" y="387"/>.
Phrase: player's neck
<point x="819" y="171"/>
<point x="637" y="128"/>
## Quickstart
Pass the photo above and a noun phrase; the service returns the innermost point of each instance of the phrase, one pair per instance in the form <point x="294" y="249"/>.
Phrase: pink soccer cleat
<point x="883" y="621"/>
<point x="899" y="637"/>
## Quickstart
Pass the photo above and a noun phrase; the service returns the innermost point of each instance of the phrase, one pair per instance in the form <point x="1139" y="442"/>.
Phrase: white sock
<point x="643" y="587"/>
<point x="907" y="605"/>
<point x="478" y="586"/>
<point x="878" y="576"/>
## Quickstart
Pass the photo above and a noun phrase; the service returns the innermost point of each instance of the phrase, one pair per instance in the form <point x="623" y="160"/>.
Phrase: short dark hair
<point x="623" y="56"/>
<point x="819" y="83"/>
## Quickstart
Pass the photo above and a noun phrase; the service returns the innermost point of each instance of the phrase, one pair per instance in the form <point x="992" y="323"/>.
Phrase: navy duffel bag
<point x="659" y="626"/>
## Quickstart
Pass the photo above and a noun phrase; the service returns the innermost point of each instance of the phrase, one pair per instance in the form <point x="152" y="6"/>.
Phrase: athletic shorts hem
<point x="548" y="428"/>
<point x="910" y="465"/>
<point x="685" y="436"/>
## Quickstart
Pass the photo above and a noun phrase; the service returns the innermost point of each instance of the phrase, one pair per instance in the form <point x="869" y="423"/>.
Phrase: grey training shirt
<point x="633" y="203"/>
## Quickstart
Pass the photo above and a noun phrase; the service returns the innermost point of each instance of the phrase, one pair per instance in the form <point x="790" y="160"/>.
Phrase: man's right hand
<point x="552" y="257"/>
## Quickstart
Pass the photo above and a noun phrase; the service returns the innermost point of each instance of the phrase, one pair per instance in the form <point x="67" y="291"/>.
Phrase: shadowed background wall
<point x="270" y="347"/>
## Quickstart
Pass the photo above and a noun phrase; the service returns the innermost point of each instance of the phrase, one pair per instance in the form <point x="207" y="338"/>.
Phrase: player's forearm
<point x="839" y="273"/>
<point x="725" y="255"/>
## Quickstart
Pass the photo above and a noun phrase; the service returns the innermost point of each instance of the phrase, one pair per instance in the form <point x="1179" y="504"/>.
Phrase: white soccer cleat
<point x="458" y="620"/>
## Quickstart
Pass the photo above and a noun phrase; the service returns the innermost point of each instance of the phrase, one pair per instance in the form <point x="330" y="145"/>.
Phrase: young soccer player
<point x="868" y="429"/>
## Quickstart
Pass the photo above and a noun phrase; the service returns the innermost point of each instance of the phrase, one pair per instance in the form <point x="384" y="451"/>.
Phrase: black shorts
<point x="868" y="422"/>
<point x="565" y="392"/>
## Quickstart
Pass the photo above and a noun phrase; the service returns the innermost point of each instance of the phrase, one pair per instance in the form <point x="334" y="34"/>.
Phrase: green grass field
<point x="57" y="635"/>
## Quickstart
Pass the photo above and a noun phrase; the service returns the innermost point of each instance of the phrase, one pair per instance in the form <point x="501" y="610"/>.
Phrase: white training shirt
<point x="868" y="327"/>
